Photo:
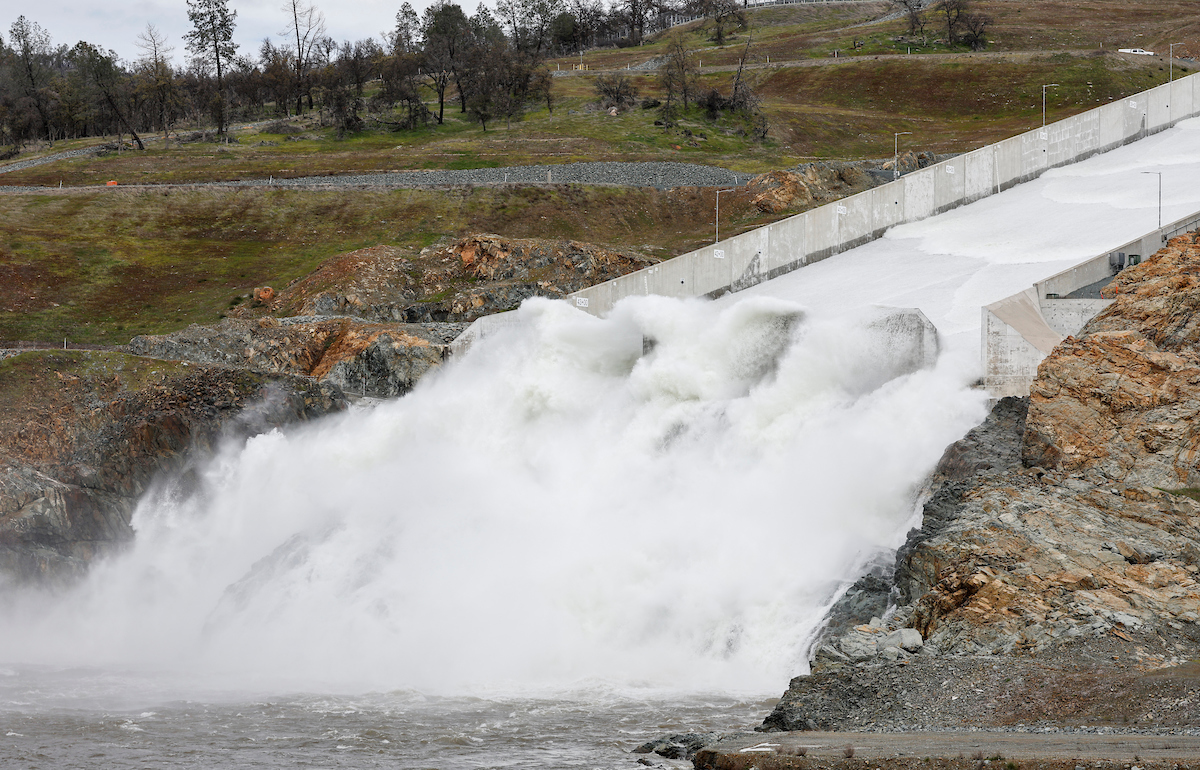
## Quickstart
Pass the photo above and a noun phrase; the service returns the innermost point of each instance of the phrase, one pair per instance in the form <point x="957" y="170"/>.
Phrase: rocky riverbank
<point x="84" y="433"/>
<point x="1054" y="580"/>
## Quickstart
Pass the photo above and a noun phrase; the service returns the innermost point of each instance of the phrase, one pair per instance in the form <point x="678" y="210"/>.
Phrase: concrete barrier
<point x="789" y="244"/>
<point x="1017" y="332"/>
<point x="767" y="252"/>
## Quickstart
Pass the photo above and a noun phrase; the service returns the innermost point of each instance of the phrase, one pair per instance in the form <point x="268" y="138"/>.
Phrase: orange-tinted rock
<point x="777" y="191"/>
<point x="1122" y="401"/>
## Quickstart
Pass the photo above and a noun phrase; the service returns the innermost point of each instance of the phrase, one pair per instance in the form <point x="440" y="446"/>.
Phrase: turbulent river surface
<point x="71" y="718"/>
<point x="551" y="551"/>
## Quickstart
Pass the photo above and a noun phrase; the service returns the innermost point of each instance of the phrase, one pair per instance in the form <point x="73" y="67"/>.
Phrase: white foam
<point x="951" y="265"/>
<point x="555" y="511"/>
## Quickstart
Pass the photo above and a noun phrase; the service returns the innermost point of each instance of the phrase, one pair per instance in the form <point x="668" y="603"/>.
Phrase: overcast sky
<point x="116" y="25"/>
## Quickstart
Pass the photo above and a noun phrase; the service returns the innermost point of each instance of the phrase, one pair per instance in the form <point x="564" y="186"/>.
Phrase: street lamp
<point x="1048" y="85"/>
<point x="1159" y="173"/>
<point x="896" y="153"/>
<point x="1171" y="62"/>
<point x="717" y="218"/>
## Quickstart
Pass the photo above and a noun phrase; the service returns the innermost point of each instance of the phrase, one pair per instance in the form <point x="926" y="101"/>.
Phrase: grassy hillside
<point x="101" y="265"/>
<point x="950" y="103"/>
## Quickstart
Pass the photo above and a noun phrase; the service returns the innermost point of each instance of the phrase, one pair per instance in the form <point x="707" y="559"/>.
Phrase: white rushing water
<point x="558" y="545"/>
<point x="951" y="265"/>
<point x="556" y="511"/>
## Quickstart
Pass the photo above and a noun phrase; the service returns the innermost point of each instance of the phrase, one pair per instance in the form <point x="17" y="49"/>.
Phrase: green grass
<point x="102" y="266"/>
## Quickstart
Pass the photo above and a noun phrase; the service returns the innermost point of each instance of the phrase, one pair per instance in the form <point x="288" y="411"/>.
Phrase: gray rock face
<point x="907" y="639"/>
<point x="361" y="358"/>
<point x="69" y="489"/>
<point x="681" y="746"/>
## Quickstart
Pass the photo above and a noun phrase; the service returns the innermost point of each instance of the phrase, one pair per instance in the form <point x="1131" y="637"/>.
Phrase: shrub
<point x="616" y="90"/>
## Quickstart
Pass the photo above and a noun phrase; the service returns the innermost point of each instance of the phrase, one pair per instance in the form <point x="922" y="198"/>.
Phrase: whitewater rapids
<point x="564" y="508"/>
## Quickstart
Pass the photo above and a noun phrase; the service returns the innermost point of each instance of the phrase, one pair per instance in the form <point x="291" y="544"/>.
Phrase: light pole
<point x="717" y="217"/>
<point x="1048" y="85"/>
<point x="1159" y="173"/>
<point x="1171" y="62"/>
<point x="896" y="153"/>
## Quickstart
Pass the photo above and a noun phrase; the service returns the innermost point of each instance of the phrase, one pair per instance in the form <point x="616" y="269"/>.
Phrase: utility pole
<point x="1048" y="85"/>
<point x="896" y="153"/>
<point x="1171" y="62"/>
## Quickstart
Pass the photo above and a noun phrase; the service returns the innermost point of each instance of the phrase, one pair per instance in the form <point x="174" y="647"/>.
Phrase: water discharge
<point x="565" y="508"/>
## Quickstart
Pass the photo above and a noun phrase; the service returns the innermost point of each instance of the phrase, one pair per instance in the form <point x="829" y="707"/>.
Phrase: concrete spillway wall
<point x="1017" y="332"/>
<point x="781" y="247"/>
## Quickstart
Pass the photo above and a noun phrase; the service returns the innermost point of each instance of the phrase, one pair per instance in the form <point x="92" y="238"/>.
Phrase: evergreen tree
<point x="211" y="45"/>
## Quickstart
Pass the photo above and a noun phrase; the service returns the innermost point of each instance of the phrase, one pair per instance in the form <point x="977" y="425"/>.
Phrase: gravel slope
<point x="663" y="175"/>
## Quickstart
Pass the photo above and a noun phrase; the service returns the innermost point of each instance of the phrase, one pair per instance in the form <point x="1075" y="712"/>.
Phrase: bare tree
<point x="723" y="14"/>
<point x="157" y="77"/>
<point x="678" y="75"/>
<point x="911" y="10"/>
<point x="975" y="26"/>
<point x="952" y="12"/>
<point x="616" y="90"/>
<point x="306" y="26"/>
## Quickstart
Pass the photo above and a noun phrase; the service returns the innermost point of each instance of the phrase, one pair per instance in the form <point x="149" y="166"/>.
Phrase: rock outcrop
<point x="459" y="282"/>
<point x="370" y="359"/>
<point x="1056" y="529"/>
<point x="778" y="191"/>
<point x="75" y="459"/>
<point x="1119" y="404"/>
<point x="820" y="182"/>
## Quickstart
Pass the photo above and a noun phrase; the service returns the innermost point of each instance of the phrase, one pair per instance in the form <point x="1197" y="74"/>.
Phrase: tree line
<point x="961" y="22"/>
<point x="488" y="65"/>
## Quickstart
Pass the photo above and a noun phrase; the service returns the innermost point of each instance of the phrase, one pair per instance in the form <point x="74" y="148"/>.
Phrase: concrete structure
<point x="1020" y="330"/>
<point x="781" y="247"/>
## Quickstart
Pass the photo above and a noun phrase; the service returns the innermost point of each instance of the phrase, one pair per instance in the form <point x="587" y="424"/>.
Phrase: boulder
<point x="375" y="359"/>
<point x="778" y="191"/>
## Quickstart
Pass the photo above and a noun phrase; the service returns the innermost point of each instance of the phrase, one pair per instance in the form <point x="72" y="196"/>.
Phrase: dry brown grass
<point x="101" y="266"/>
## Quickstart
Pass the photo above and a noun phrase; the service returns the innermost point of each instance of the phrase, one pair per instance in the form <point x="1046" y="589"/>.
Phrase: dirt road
<point x="771" y="749"/>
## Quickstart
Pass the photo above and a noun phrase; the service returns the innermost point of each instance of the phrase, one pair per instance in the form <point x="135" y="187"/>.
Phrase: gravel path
<point x="1124" y="746"/>
<point x="48" y="159"/>
<point x="663" y="175"/>
<point x="638" y="174"/>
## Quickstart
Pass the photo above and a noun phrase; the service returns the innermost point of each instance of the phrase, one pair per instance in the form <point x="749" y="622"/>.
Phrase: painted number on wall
<point x="581" y="302"/>
<point x="719" y="253"/>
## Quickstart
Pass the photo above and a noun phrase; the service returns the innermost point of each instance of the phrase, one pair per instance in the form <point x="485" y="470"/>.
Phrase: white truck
<point x="1140" y="51"/>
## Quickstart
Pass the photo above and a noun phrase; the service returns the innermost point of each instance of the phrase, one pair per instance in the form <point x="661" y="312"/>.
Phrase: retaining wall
<point x="781" y="247"/>
<point x="1017" y="332"/>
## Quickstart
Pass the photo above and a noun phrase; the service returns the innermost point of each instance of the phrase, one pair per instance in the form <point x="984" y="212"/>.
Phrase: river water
<point x="73" y="718"/>
<point x="562" y="545"/>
